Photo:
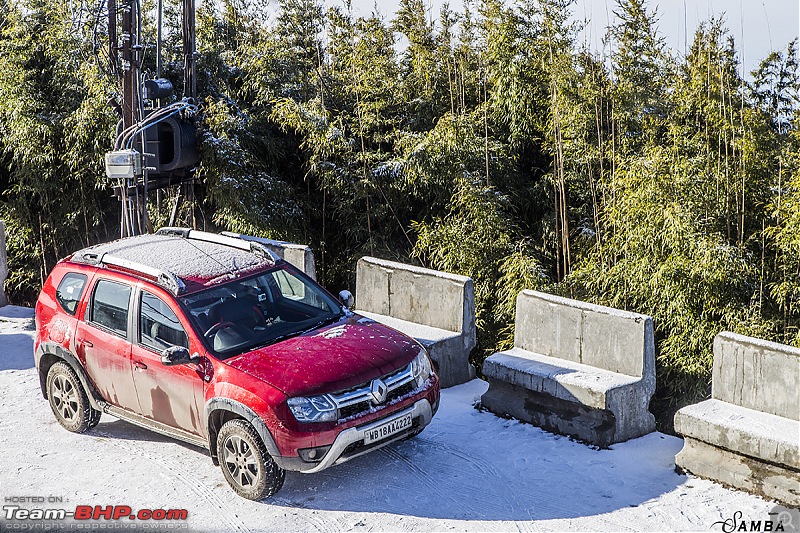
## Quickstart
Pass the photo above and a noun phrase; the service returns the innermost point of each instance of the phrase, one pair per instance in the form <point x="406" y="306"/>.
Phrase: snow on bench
<point x="436" y="308"/>
<point x="298" y="255"/>
<point x="576" y="369"/>
<point x="748" y="434"/>
<point x="3" y="264"/>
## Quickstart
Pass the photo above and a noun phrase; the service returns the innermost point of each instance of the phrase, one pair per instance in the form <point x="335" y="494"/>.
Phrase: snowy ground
<point x="468" y="471"/>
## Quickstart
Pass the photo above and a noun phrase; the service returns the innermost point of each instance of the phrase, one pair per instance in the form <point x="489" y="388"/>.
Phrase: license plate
<point x="388" y="429"/>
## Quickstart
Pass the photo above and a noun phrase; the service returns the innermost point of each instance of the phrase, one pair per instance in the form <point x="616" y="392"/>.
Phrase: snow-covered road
<point x="468" y="471"/>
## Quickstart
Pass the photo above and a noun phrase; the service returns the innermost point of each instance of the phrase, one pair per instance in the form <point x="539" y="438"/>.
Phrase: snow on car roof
<point x="197" y="263"/>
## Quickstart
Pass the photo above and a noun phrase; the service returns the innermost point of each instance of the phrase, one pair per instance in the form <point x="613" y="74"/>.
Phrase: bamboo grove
<point x="488" y="142"/>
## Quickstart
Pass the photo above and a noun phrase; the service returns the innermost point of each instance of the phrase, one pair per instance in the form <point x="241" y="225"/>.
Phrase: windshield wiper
<point x="321" y="323"/>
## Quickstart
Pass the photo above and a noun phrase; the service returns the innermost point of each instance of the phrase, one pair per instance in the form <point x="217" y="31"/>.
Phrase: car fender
<point x="227" y="404"/>
<point x="58" y="351"/>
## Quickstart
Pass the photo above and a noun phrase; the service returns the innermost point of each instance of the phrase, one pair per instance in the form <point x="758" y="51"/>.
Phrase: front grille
<point x="354" y="409"/>
<point x="399" y="392"/>
<point x="352" y="402"/>
<point x="366" y="405"/>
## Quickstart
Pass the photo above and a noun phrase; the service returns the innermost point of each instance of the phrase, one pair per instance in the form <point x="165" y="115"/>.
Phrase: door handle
<point x="139" y="365"/>
<point x="88" y="344"/>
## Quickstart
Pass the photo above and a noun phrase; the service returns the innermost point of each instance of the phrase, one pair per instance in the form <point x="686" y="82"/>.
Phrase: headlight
<point x="313" y="409"/>
<point x="421" y="367"/>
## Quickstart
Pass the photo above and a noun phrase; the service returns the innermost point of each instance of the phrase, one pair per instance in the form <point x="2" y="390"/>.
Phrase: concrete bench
<point x="575" y="369"/>
<point x="748" y="434"/>
<point x="3" y="264"/>
<point x="298" y="255"/>
<point x="435" y="308"/>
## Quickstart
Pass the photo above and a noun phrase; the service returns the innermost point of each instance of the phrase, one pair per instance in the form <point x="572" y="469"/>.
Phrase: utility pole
<point x="130" y="71"/>
<point x="189" y="51"/>
<point x="113" y="61"/>
<point x="156" y="146"/>
<point x="159" y="69"/>
<point x="112" y="35"/>
<point x="130" y="99"/>
<point x="189" y="73"/>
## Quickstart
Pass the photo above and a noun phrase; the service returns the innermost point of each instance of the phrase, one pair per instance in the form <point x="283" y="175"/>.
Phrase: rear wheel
<point x="68" y="400"/>
<point x="245" y="462"/>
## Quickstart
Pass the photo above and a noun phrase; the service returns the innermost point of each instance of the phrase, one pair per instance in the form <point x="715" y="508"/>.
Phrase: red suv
<point x="216" y="341"/>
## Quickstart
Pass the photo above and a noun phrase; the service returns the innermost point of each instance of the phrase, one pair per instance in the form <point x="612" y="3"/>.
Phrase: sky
<point x="762" y="25"/>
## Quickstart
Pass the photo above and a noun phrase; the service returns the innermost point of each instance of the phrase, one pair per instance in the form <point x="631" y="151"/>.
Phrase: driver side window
<point x="159" y="328"/>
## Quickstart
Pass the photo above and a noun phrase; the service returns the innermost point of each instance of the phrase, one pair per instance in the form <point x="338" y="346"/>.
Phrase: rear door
<point x="171" y="395"/>
<point x="102" y="342"/>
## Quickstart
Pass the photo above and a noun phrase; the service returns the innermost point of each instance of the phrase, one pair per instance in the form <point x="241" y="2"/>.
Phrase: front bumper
<point x="350" y="442"/>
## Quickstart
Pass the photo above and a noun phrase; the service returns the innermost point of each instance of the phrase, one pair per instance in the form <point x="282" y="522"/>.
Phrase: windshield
<point x="245" y="314"/>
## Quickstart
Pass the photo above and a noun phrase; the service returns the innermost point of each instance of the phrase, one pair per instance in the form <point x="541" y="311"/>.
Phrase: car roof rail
<point x="263" y="240"/>
<point x="246" y="245"/>
<point x="165" y="278"/>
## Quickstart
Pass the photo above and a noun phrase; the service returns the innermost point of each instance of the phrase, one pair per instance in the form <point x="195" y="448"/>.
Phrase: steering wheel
<point x="216" y="327"/>
<point x="258" y="316"/>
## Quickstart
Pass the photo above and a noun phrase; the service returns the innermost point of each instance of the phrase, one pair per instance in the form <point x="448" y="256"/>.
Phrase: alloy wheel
<point x="240" y="460"/>
<point x="65" y="398"/>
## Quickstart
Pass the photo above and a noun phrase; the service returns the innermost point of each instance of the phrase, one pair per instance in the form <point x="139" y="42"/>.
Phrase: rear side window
<point x="69" y="291"/>
<point x="110" y="306"/>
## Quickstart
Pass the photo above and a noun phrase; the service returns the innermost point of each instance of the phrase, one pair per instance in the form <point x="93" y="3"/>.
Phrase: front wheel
<point x="245" y="463"/>
<point x="68" y="400"/>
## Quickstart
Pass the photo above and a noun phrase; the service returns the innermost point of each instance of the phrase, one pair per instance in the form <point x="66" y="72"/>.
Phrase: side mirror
<point x="346" y="297"/>
<point x="177" y="355"/>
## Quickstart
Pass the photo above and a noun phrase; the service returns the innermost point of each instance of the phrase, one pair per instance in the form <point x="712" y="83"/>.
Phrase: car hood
<point x="332" y="358"/>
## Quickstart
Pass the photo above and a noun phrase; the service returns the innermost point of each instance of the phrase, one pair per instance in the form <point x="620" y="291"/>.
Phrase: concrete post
<point x="3" y="264"/>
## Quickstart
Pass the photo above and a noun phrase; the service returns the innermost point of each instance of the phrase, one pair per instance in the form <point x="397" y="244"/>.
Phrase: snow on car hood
<point x="332" y="358"/>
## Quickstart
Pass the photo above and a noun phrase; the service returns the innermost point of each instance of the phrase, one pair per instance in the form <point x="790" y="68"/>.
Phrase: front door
<point x="171" y="395"/>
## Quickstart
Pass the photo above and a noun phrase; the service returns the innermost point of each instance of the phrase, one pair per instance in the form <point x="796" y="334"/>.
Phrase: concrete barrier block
<point x="593" y="405"/>
<point x="3" y="264"/>
<point x="595" y="335"/>
<point x="436" y="308"/>
<point x="763" y="436"/>
<point x="740" y="471"/>
<point x="298" y="255"/>
<point x="619" y="341"/>
<point x="373" y="287"/>
<point x="561" y="379"/>
<point x="549" y="412"/>
<point x="437" y="299"/>
<point x="756" y="374"/>
<point x="577" y="369"/>
<point x="548" y="325"/>
<point x="748" y="434"/>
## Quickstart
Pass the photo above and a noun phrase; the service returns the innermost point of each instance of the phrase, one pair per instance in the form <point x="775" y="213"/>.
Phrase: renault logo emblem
<point x="379" y="390"/>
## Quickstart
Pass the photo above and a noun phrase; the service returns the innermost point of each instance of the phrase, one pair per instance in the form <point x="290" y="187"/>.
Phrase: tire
<point x="245" y="463"/>
<point x="68" y="400"/>
<point x="94" y="418"/>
